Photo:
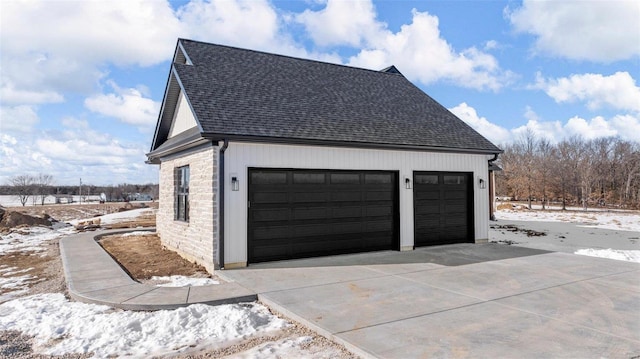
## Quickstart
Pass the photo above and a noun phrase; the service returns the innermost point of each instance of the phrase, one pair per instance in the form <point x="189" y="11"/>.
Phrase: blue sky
<point x="81" y="83"/>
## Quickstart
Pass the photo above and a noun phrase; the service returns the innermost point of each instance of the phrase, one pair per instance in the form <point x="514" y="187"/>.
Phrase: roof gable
<point x="236" y="93"/>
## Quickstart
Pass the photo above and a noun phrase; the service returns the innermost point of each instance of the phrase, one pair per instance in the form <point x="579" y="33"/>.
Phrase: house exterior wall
<point x="183" y="117"/>
<point x="241" y="156"/>
<point x="195" y="240"/>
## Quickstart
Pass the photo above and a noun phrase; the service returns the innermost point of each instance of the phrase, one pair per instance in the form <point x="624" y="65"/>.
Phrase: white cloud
<point x="127" y="105"/>
<point x="49" y="46"/>
<point x="9" y="95"/>
<point x="491" y="45"/>
<point x="618" y="91"/>
<point x="423" y="55"/>
<point x="73" y="123"/>
<point x="626" y="127"/>
<point x="20" y="119"/>
<point x="594" y="128"/>
<point x="96" y="157"/>
<point x="253" y="23"/>
<point x="351" y="23"/>
<point x="491" y="131"/>
<point x="601" y="31"/>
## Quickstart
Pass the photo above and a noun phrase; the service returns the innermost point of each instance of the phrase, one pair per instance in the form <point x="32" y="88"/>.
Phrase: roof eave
<point x="186" y="140"/>
<point x="352" y="144"/>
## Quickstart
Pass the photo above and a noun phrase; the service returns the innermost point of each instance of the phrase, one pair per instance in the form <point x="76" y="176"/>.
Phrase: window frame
<point x="181" y="191"/>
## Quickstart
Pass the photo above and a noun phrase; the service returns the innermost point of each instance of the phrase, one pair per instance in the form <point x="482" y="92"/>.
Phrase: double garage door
<point x="307" y="213"/>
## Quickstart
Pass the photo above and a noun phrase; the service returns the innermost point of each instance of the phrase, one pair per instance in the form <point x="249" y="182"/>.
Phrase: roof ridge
<point x="381" y="71"/>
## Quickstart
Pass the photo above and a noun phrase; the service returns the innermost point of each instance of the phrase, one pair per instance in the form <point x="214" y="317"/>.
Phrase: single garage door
<point x="308" y="213"/>
<point x="443" y="208"/>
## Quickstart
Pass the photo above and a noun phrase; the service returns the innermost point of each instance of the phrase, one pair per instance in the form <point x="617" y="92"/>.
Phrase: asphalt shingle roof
<point x="239" y="92"/>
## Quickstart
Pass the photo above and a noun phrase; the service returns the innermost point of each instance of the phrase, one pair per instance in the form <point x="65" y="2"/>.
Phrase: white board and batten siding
<point x="239" y="157"/>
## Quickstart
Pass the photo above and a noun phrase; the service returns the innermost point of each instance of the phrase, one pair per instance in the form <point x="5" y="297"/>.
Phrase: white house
<point x="266" y="157"/>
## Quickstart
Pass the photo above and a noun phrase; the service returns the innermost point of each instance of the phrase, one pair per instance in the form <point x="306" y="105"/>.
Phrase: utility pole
<point x="80" y="190"/>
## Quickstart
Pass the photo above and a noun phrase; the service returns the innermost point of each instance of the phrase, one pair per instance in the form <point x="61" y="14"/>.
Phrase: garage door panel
<point x="309" y="230"/>
<point x="442" y="208"/>
<point x="353" y="195"/>
<point x="428" y="208"/>
<point x="376" y="211"/>
<point x="427" y="194"/>
<point x="275" y="214"/>
<point x="378" y="196"/>
<point x="308" y="197"/>
<point x="378" y="226"/>
<point x="271" y="197"/>
<point x="271" y="251"/>
<point x="348" y="227"/>
<point x="455" y="194"/>
<point x="455" y="208"/>
<point x="329" y="212"/>
<point x="456" y="221"/>
<point x="308" y="213"/>
<point x="346" y="212"/>
<point x="274" y="232"/>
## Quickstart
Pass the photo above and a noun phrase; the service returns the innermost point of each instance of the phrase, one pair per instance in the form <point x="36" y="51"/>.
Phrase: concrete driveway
<point x="456" y="301"/>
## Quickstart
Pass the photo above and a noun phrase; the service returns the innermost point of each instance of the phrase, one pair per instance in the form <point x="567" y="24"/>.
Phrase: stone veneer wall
<point x="194" y="240"/>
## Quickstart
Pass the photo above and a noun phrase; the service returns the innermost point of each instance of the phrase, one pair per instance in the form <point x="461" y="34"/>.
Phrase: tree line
<point x="575" y="171"/>
<point x="39" y="187"/>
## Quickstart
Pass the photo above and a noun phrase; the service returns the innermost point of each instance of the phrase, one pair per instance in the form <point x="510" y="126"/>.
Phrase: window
<point x="454" y="179"/>
<point x="181" y="206"/>
<point x="375" y="178"/>
<point x="308" y="178"/>
<point x="426" y="179"/>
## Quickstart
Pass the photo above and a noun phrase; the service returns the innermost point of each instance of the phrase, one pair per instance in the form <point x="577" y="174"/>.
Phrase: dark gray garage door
<point x="308" y="213"/>
<point x="443" y="208"/>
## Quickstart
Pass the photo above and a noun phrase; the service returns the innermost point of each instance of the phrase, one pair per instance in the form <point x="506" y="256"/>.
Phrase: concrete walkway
<point x="94" y="277"/>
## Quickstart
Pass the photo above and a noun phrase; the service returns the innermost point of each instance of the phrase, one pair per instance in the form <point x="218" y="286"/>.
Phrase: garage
<point x="295" y="213"/>
<point x="443" y="208"/>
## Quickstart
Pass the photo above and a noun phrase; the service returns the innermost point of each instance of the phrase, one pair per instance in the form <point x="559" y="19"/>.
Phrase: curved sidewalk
<point x="94" y="277"/>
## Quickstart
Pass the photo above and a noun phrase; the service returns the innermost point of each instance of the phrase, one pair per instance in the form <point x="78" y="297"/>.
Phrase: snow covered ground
<point x="116" y="217"/>
<point x="618" y="220"/>
<point x="59" y="326"/>
<point x="624" y="223"/>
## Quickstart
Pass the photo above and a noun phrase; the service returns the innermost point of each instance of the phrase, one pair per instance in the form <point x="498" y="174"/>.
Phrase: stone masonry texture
<point x="195" y="240"/>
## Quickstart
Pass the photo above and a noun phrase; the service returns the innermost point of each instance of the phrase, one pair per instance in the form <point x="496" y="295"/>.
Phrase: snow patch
<point x="622" y="221"/>
<point x="61" y="327"/>
<point x="117" y="216"/>
<point x="30" y="239"/>
<point x="137" y="233"/>
<point x="627" y="255"/>
<point x="182" y="281"/>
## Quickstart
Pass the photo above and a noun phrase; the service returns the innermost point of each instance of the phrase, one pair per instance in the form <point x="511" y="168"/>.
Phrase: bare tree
<point x="42" y="186"/>
<point x="22" y="186"/>
<point x="544" y="155"/>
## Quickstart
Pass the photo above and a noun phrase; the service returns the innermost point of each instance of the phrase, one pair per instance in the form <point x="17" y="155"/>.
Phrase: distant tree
<point x="545" y="153"/>
<point x="42" y="186"/>
<point x="22" y="187"/>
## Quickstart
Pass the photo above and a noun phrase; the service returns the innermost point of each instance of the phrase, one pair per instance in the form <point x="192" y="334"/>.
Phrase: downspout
<point x="492" y="187"/>
<point x="221" y="181"/>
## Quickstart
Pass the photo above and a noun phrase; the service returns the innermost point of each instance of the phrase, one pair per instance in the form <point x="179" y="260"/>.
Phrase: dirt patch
<point x="515" y="229"/>
<point x="11" y="220"/>
<point x="512" y="206"/>
<point x="143" y="257"/>
<point x="68" y="212"/>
